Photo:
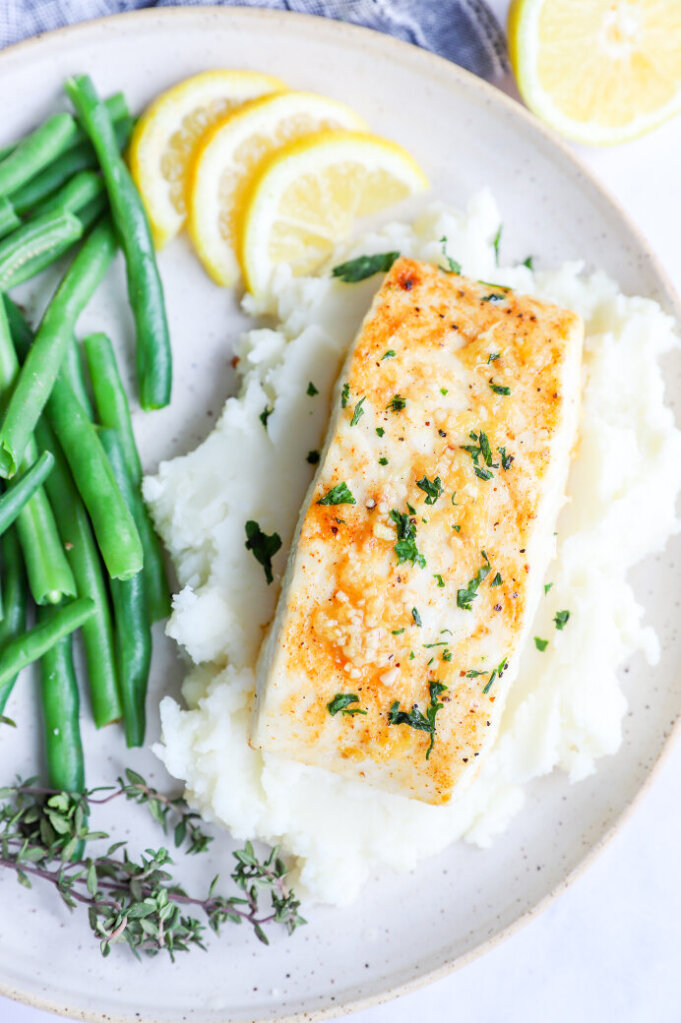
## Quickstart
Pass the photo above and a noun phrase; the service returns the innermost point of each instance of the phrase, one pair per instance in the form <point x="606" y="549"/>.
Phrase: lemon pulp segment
<point x="599" y="71"/>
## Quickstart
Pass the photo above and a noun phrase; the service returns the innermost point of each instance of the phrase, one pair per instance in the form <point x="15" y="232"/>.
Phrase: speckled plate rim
<point x="431" y="65"/>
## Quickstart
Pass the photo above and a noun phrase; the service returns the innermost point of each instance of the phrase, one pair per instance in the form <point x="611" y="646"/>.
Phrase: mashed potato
<point x="566" y="708"/>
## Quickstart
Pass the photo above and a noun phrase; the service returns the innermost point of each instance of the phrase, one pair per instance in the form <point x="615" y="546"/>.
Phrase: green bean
<point x="30" y="646"/>
<point x="114" y="412"/>
<point x="58" y="173"/>
<point x="36" y="238"/>
<point x="9" y="220"/>
<point x="73" y="371"/>
<point x="81" y="551"/>
<point x="49" y="575"/>
<point x="117" y="107"/>
<point x="22" y="489"/>
<point x="36" y="264"/>
<point x="35" y="151"/>
<point x="40" y="369"/>
<point x="15" y="598"/>
<point x="145" y="291"/>
<point x="20" y="333"/>
<point x="112" y="520"/>
<point x="60" y="701"/>
<point x="133" y="629"/>
<point x="78" y="191"/>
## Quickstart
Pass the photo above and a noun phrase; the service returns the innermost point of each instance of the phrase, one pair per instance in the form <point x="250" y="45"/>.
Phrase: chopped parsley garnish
<point x="464" y="598"/>
<point x="264" y="547"/>
<point x="481" y="449"/>
<point x="405" y="548"/>
<point x="358" y="412"/>
<point x="561" y="619"/>
<point x="411" y="655"/>
<point x="311" y="389"/>
<point x="380" y="431"/>
<point x="456" y="528"/>
<point x="312" y="457"/>
<point x="529" y="263"/>
<point x="345" y="394"/>
<point x="410" y="509"/>
<point x="364" y="266"/>
<point x="416" y="616"/>
<point x="398" y="632"/>
<point x="497" y="581"/>
<point x="505" y="459"/>
<point x="491" y="284"/>
<point x="541" y="644"/>
<point x="432" y="488"/>
<point x="547" y="587"/>
<point x="493" y="297"/>
<point x="383" y="461"/>
<point x="388" y="355"/>
<point x="265" y="414"/>
<point x="444" y="391"/>
<point x="341" y="704"/>
<point x="493" y="357"/>
<point x="498" y="388"/>
<point x="452" y="266"/>
<point x="497" y="673"/>
<point x="440" y="581"/>
<point x="475" y="674"/>
<point x="396" y="403"/>
<point x="453" y="501"/>
<point x="495" y="243"/>
<point x="339" y="494"/>
<point x="446" y="655"/>
<point x="415" y="718"/>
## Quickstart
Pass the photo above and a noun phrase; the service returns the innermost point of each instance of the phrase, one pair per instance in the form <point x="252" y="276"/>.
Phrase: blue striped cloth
<point x="464" y="31"/>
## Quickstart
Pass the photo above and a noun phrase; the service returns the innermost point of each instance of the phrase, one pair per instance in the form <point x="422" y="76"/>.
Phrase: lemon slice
<point x="232" y="152"/>
<point x="166" y="136"/>
<point x="598" y="71"/>
<point x="306" y="198"/>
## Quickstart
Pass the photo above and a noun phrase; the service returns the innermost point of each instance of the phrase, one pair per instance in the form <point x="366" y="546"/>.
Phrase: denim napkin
<point x="464" y="31"/>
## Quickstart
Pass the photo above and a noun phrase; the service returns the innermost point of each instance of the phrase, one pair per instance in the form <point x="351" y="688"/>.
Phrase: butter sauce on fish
<point x="420" y="553"/>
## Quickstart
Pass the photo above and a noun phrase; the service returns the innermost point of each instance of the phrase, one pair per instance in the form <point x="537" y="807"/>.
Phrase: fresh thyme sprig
<point x="42" y="834"/>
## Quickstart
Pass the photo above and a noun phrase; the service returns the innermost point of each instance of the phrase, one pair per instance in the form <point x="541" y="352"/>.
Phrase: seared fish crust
<point x="420" y="553"/>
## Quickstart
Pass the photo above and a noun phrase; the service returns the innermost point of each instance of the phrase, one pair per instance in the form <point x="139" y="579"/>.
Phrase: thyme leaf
<point x="135" y="902"/>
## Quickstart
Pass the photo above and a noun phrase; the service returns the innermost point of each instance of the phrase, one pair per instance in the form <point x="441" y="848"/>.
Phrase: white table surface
<point x="610" y="947"/>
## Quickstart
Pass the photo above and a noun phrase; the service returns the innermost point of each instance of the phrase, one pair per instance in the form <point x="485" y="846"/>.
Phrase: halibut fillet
<point x="420" y="553"/>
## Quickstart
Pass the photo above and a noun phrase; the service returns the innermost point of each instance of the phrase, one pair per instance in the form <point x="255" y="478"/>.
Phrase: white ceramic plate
<point x="404" y="930"/>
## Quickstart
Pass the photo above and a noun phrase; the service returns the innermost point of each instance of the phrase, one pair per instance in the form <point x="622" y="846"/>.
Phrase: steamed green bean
<point x="113" y="412"/>
<point x="145" y="290"/>
<point x="33" y="644"/>
<point x="133" y="628"/>
<point x="83" y="557"/>
<point x="20" y="491"/>
<point x="39" y="371"/>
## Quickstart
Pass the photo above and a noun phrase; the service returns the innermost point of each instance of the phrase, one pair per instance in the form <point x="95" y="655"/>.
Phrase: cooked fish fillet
<point x="420" y="553"/>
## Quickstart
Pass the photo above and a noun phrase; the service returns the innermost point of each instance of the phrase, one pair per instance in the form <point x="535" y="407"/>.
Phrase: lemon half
<point x="305" y="199"/>
<point x="598" y="71"/>
<point x="232" y="152"/>
<point x="166" y="136"/>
